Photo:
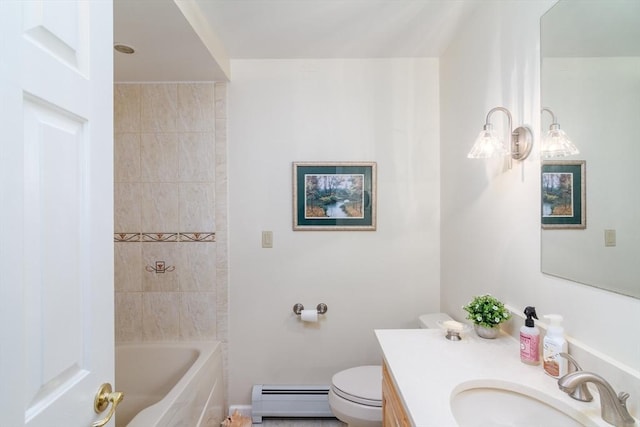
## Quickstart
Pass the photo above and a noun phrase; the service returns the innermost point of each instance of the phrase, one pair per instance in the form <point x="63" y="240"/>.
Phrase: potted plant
<point x="487" y="313"/>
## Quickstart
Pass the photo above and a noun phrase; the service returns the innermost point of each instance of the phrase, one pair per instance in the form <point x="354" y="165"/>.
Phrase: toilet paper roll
<point x="309" y="315"/>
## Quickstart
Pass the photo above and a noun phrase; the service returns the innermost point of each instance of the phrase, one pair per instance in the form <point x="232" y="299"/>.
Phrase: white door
<point x="56" y="210"/>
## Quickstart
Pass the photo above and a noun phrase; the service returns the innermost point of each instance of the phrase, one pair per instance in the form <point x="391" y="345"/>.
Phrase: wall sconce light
<point x="488" y="144"/>
<point x="556" y="143"/>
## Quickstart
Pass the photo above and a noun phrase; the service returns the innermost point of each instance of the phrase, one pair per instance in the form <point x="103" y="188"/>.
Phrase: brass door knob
<point x="105" y="396"/>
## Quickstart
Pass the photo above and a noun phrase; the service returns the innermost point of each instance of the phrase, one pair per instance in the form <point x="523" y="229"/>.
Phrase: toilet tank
<point x="430" y="321"/>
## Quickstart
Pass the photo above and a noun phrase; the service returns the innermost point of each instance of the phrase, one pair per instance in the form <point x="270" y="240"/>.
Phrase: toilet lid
<point x="362" y="385"/>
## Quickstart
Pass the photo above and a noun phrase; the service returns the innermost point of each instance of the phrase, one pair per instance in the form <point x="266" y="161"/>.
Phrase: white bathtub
<point x="170" y="384"/>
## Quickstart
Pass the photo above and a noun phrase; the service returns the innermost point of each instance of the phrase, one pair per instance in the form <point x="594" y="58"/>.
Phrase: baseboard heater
<point x="289" y="401"/>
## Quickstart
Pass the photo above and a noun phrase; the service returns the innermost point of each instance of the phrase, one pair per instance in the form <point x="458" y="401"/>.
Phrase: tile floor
<point x="306" y="422"/>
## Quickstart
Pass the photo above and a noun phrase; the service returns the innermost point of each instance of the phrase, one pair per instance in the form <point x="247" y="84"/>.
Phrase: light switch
<point x="267" y="239"/>
<point x="609" y="237"/>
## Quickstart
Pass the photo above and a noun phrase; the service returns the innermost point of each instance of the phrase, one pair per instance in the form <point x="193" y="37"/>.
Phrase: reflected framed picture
<point x="563" y="188"/>
<point x="334" y="196"/>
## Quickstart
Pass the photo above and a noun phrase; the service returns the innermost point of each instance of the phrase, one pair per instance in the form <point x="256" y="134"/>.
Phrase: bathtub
<point x="170" y="384"/>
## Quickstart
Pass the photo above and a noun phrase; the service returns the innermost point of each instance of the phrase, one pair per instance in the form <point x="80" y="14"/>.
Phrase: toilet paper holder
<point x="322" y="308"/>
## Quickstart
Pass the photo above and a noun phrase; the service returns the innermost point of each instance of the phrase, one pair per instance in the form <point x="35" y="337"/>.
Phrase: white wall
<point x="281" y="111"/>
<point x="387" y="111"/>
<point x="490" y="228"/>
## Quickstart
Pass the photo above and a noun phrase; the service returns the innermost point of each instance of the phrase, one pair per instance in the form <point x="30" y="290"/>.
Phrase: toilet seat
<point x="361" y="385"/>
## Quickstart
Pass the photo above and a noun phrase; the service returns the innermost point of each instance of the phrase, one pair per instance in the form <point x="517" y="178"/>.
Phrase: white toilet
<point x="355" y="396"/>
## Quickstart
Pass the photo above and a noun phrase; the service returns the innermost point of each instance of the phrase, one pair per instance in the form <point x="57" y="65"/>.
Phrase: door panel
<point x="55" y="222"/>
<point x="56" y="195"/>
<point x="56" y="28"/>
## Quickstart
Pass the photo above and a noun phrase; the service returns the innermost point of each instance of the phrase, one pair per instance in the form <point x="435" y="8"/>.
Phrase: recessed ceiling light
<point x="123" y="48"/>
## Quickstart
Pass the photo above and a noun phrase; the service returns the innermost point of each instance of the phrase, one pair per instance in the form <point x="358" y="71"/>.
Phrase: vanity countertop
<point x="428" y="369"/>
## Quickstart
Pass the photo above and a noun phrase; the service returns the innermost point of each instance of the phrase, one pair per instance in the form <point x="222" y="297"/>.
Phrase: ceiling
<point x="193" y="40"/>
<point x="166" y="46"/>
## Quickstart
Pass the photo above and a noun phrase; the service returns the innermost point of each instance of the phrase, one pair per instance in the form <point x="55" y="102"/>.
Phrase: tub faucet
<point x="613" y="408"/>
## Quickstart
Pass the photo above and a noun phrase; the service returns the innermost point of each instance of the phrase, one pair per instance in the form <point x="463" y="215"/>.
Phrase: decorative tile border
<point x="126" y="237"/>
<point x="159" y="237"/>
<point x="203" y="236"/>
<point x="197" y="237"/>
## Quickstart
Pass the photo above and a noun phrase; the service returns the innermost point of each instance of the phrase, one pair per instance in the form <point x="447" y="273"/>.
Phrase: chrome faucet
<point x="613" y="408"/>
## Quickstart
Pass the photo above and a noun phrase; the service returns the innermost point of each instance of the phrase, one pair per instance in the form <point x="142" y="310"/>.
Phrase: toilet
<point x="355" y="396"/>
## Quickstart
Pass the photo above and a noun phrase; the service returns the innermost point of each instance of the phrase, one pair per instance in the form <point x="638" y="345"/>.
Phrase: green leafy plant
<point x="487" y="311"/>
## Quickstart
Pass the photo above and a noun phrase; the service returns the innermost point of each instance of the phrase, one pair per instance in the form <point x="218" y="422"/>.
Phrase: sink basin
<point x="494" y="404"/>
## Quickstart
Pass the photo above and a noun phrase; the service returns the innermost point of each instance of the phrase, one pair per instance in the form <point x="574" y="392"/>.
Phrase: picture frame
<point x="563" y="194"/>
<point x="334" y="196"/>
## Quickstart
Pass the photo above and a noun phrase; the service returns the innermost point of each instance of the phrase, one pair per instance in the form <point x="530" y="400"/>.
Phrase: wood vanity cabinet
<point x="393" y="412"/>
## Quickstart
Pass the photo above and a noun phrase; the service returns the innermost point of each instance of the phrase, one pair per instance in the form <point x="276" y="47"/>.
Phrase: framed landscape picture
<point x="334" y="196"/>
<point x="563" y="195"/>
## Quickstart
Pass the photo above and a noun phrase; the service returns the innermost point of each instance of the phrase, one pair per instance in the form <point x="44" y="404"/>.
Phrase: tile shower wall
<point x="167" y="229"/>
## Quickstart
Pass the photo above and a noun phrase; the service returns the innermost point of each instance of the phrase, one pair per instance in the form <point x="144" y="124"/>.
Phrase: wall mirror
<point x="590" y="52"/>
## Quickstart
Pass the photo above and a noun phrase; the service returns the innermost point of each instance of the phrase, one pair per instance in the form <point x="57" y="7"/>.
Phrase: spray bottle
<point x="530" y="338"/>
<point x="554" y="343"/>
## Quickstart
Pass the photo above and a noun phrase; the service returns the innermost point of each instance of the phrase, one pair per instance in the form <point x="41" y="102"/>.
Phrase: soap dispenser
<point x="554" y="343"/>
<point x="530" y="338"/>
